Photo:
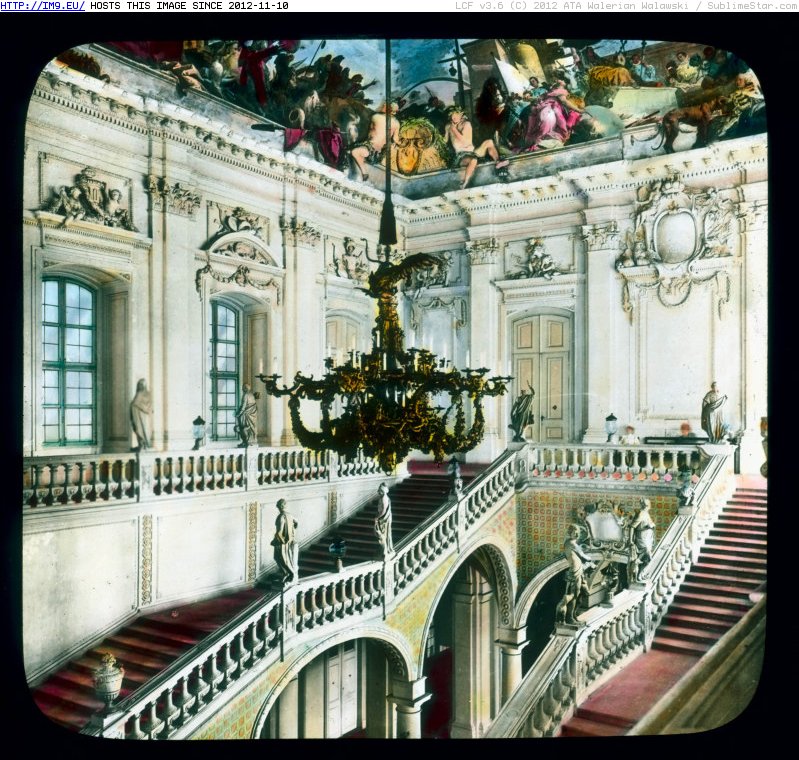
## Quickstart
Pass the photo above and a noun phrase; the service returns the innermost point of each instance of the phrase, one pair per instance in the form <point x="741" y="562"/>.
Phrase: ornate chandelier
<point x="388" y="396"/>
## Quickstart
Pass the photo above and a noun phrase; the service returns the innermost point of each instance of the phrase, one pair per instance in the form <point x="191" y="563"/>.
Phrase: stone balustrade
<point x="60" y="481"/>
<point x="166" y="706"/>
<point x="72" y="480"/>
<point x="575" y="662"/>
<point x="653" y="463"/>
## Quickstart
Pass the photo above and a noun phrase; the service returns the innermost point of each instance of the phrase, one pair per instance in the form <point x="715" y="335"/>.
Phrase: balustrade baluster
<point x="168" y="712"/>
<point x="197" y="687"/>
<point x="153" y="722"/>
<point x="134" y="730"/>
<point x="184" y="700"/>
<point x="358" y="594"/>
<point x="212" y="676"/>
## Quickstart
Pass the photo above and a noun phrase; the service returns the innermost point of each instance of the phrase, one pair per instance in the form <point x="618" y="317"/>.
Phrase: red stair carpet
<point x="713" y="597"/>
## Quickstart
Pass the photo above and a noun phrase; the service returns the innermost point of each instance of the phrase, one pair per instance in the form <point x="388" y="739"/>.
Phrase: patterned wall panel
<point x="543" y="517"/>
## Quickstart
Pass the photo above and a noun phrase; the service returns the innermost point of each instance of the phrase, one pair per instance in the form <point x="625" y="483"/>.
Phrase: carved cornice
<point x="176" y="197"/>
<point x="455" y="306"/>
<point x="301" y="232"/>
<point x="72" y="233"/>
<point x="485" y="251"/>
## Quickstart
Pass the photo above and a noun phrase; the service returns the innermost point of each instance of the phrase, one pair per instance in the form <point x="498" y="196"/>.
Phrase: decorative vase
<point x="108" y="680"/>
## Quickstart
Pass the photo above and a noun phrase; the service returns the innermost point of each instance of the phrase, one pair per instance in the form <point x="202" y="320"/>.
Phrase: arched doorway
<point x="341" y="693"/>
<point x="462" y="661"/>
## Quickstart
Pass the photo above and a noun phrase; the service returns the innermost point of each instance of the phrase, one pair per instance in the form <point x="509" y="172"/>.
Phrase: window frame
<point x="63" y="367"/>
<point x="214" y="374"/>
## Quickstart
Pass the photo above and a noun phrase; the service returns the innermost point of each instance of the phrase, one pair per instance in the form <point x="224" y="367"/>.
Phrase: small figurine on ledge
<point x="712" y="414"/>
<point x="454" y="469"/>
<point x="642" y="529"/>
<point x="521" y="414"/>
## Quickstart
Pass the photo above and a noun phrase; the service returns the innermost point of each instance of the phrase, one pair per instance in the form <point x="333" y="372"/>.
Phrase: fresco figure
<point x="459" y="134"/>
<point x="372" y="148"/>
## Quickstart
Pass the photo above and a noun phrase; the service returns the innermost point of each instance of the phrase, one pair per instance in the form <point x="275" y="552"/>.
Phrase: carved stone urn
<point x="108" y="680"/>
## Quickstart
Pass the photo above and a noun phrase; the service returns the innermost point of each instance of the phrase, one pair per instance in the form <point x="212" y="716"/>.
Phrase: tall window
<point x="224" y="362"/>
<point x="69" y="368"/>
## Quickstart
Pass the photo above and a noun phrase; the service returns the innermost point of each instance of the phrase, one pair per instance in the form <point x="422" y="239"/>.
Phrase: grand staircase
<point x="715" y="595"/>
<point x="149" y="644"/>
<point x="413" y="500"/>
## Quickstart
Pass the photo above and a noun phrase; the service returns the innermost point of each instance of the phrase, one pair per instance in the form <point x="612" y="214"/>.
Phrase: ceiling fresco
<point x="454" y="103"/>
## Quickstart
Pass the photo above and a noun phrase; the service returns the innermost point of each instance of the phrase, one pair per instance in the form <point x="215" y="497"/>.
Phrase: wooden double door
<point x="541" y="352"/>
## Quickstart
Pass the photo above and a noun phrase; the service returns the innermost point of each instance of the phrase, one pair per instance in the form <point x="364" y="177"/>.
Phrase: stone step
<point x="139" y="644"/>
<point x="688" y="633"/>
<point x="587" y="712"/>
<point x="724" y="522"/>
<point x="582" y="727"/>
<point x="701" y="576"/>
<point x="696" y="621"/>
<point x="734" y="551"/>
<point x="727" y="569"/>
<point x="680" y="646"/>
<point x="727" y="557"/>
<point x="714" y="600"/>
<point x="736" y="541"/>
<point x="710" y="611"/>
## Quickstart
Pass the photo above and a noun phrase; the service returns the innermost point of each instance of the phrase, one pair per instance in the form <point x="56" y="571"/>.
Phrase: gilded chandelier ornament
<point x="388" y="394"/>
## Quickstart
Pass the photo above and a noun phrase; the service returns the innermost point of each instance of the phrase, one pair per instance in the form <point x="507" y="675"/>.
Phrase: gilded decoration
<point x="674" y="229"/>
<point x="174" y="197"/>
<point x="92" y="200"/>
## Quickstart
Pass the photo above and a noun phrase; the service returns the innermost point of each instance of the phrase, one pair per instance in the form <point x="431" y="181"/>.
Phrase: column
<point x="485" y="341"/>
<point x="472" y="652"/>
<point x="409" y="696"/>
<point x="287" y="707"/>
<point x="754" y="309"/>
<point x="511" y="642"/>
<point x="602" y="299"/>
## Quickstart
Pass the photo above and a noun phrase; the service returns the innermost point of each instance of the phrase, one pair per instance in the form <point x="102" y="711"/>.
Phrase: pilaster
<point x="409" y="696"/>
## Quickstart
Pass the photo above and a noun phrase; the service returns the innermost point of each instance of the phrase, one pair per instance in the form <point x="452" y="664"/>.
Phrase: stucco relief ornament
<point x="672" y="230"/>
<point x="352" y="263"/>
<point x="179" y="198"/>
<point x="435" y="276"/>
<point x="240" y="277"/>
<point x="537" y="262"/>
<point x="302" y="231"/>
<point x="90" y="200"/>
<point x="239" y="220"/>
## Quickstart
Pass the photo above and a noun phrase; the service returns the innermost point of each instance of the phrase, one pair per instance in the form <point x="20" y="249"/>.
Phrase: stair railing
<point x="170" y="705"/>
<point x="575" y="663"/>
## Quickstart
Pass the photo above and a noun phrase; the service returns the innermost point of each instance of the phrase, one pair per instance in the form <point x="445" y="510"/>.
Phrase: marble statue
<point x="576" y="583"/>
<point x="642" y="529"/>
<point x="454" y="470"/>
<point x="141" y="416"/>
<point x="712" y="414"/>
<point x="247" y="416"/>
<point x="285" y="543"/>
<point x="383" y="520"/>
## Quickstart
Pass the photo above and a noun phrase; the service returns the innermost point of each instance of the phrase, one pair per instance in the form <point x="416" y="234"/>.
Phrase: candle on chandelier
<point x="260" y="366"/>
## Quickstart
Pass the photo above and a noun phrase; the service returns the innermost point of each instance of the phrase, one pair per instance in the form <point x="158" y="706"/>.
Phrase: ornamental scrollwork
<point x="301" y="231"/>
<point x="455" y="306"/>
<point x="175" y="197"/>
<point x="240" y="277"/>
<point x="91" y="200"/>
<point x="238" y="220"/>
<point x="600" y="236"/>
<point x="436" y="275"/>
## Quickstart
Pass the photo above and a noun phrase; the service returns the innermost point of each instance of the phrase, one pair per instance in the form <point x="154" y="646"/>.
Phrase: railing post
<point x="145" y="466"/>
<point x="332" y="466"/>
<point x="250" y="467"/>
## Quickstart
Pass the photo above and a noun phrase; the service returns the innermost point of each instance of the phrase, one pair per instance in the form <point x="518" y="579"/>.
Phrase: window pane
<point x="51" y="335"/>
<point x="72" y="432"/>
<point x="72" y="316"/>
<point x="85" y="355"/>
<point x="71" y="416"/>
<point x="86" y="317"/>
<point x="72" y="353"/>
<point x="50" y="352"/>
<point x="51" y="434"/>
<point x="85" y="417"/>
<point x="71" y="396"/>
<point x="51" y="417"/>
<point x="85" y="299"/>
<point x="73" y="294"/>
<point x="72" y="336"/>
<point x="51" y="395"/>
<point x="50" y="314"/>
<point x="50" y="291"/>
<point x="51" y="378"/>
<point x="229" y="334"/>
